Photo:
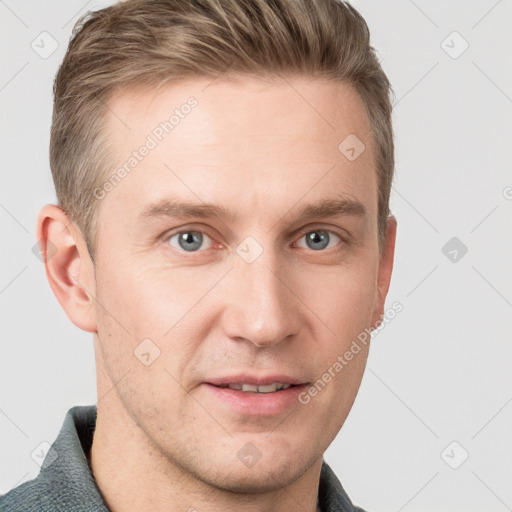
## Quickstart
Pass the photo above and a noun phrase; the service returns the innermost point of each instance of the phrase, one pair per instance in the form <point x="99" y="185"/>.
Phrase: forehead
<point x="244" y="141"/>
<point x="302" y="106"/>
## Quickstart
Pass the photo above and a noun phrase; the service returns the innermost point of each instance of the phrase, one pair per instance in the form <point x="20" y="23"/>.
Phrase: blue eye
<point x="189" y="241"/>
<point x="319" y="239"/>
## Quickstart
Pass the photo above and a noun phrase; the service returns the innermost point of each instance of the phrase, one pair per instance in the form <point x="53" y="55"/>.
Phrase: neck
<point x="132" y="475"/>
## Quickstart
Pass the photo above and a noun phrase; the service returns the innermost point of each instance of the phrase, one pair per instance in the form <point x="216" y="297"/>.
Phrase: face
<point x="236" y="262"/>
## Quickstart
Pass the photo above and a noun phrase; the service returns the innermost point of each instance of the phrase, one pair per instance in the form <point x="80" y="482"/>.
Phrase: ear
<point x="385" y="270"/>
<point x="69" y="268"/>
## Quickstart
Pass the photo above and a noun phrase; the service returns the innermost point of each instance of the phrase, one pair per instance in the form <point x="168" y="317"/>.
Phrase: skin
<point x="264" y="150"/>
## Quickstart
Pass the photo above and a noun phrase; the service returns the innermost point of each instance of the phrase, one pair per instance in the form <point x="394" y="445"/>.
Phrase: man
<point x="223" y="170"/>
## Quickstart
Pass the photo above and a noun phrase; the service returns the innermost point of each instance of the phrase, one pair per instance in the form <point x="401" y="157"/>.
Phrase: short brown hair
<point x="145" y="43"/>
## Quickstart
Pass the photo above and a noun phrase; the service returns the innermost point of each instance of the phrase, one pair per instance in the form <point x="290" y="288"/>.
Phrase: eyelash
<point x="168" y="236"/>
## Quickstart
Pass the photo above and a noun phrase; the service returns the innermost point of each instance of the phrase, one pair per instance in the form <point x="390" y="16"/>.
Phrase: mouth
<point x="274" y="387"/>
<point x="255" y="396"/>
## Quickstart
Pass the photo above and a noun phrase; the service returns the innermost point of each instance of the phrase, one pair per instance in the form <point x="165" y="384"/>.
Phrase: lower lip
<point x="257" y="404"/>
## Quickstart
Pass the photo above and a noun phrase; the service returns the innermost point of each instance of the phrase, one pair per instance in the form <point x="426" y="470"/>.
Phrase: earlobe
<point x="68" y="265"/>
<point x="385" y="270"/>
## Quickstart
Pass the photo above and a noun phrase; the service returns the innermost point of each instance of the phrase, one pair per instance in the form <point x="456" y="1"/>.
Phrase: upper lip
<point x="256" y="380"/>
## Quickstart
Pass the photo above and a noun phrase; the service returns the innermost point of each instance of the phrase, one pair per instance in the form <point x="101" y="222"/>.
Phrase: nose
<point x="261" y="306"/>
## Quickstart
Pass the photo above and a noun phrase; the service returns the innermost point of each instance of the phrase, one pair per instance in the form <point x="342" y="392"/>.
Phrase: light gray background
<point x="439" y="372"/>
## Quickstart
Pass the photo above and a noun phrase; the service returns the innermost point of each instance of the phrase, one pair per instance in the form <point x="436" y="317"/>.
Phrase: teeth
<point x="269" y="388"/>
<point x="249" y="388"/>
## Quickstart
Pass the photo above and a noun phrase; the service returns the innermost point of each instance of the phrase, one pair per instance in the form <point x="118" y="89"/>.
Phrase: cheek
<point x="343" y="298"/>
<point x="149" y="299"/>
<point x="142" y="342"/>
<point x="163" y="304"/>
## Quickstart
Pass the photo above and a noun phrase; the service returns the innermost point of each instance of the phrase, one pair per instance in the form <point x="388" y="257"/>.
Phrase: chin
<point x="265" y="476"/>
<point x="255" y="481"/>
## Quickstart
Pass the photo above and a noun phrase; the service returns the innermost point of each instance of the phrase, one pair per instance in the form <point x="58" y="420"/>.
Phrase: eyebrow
<point x="333" y="208"/>
<point x="169" y="208"/>
<point x="324" y="208"/>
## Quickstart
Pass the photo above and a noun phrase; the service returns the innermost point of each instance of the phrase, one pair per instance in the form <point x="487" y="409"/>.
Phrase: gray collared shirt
<point x="66" y="484"/>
